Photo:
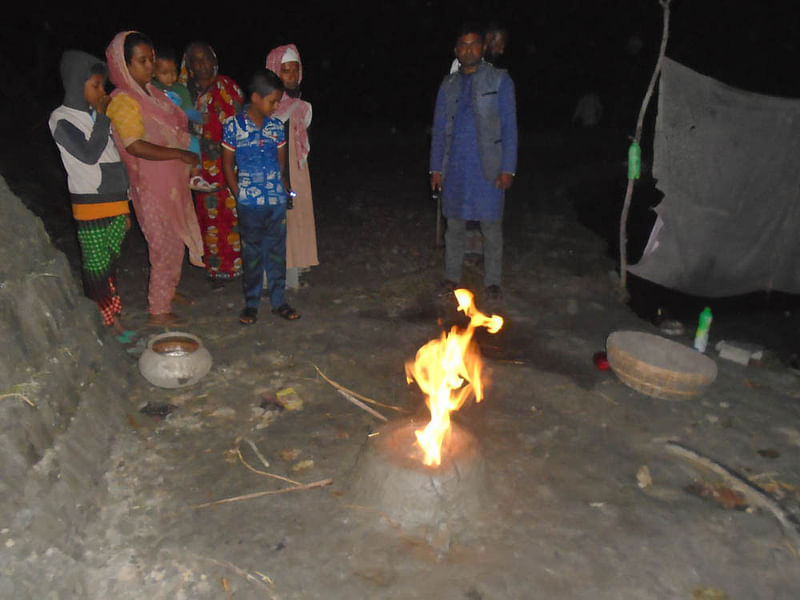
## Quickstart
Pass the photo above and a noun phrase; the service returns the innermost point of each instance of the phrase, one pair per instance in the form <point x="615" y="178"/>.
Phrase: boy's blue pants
<point x="262" y="230"/>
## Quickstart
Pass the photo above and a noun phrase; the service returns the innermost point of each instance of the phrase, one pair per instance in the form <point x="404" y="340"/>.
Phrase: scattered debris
<point x="769" y="453"/>
<point x="264" y="581"/>
<point x="643" y="478"/>
<point x="600" y="361"/>
<point x="290" y="454"/>
<point x="709" y="594"/>
<point x="303" y="465"/>
<point x="672" y="328"/>
<point x="269" y="400"/>
<point x="739" y="352"/>
<point x="224" y="412"/>
<point x="288" y="399"/>
<point x="159" y="410"/>
<point x="752" y="493"/>
<point x="722" y="495"/>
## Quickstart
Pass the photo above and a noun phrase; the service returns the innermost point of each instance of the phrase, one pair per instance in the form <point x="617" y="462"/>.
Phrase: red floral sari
<point x="216" y="211"/>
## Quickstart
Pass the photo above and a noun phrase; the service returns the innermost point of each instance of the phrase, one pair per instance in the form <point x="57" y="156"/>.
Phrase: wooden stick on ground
<point x="361" y="405"/>
<point x="296" y="488"/>
<point x="18" y="395"/>
<point x="265" y="582"/>
<point x="339" y="386"/>
<point x="752" y="492"/>
<point x="265" y="473"/>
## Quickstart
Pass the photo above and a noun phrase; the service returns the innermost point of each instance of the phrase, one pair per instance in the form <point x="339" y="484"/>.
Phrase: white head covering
<point x="290" y="56"/>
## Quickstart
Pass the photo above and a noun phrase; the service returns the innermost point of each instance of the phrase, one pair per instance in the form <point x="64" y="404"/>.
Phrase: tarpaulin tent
<point x="728" y="163"/>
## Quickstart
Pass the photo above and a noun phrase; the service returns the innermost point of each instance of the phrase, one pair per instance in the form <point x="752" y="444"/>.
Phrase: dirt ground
<point x="563" y="441"/>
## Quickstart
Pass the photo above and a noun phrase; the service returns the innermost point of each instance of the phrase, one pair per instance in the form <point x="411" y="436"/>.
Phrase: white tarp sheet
<point x="728" y="163"/>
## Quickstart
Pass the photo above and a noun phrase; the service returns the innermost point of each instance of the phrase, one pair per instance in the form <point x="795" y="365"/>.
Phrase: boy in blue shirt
<point x="255" y="143"/>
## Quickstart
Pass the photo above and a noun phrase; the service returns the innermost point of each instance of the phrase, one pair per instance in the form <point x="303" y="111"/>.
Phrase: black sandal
<point x="248" y="316"/>
<point x="286" y="312"/>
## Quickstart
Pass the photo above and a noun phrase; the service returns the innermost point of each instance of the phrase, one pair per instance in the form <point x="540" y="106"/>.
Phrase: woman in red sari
<point x="217" y="97"/>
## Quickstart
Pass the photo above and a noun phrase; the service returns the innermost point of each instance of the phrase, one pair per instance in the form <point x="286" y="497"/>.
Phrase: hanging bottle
<point x="634" y="161"/>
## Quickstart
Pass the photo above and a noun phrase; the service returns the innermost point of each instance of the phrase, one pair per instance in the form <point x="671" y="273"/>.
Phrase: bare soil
<point x="563" y="441"/>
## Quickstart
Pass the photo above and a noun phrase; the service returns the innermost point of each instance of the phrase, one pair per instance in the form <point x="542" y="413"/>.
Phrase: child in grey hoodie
<point x="96" y="177"/>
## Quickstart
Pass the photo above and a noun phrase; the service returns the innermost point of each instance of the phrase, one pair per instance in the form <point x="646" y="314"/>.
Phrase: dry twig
<point x="339" y="386"/>
<point x="262" y="581"/>
<point x="361" y="405"/>
<point x="18" y="395"/>
<point x="296" y="488"/>
<point x="265" y="473"/>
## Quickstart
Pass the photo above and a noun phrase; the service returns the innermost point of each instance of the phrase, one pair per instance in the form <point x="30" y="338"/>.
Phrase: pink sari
<point x="159" y="188"/>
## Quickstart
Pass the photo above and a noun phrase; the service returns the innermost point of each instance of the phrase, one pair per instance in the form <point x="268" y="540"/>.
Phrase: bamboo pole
<point x="623" y="220"/>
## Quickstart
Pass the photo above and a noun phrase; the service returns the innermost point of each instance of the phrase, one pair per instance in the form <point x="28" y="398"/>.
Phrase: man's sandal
<point x="286" y="312"/>
<point x="248" y="316"/>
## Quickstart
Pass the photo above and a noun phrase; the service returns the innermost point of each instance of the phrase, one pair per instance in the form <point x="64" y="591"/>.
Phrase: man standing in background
<point x="474" y="157"/>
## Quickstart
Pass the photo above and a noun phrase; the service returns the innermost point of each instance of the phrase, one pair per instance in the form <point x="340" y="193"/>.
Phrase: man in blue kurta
<point x="474" y="156"/>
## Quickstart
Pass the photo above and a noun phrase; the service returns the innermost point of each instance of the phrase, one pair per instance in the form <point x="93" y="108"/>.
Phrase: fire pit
<point x="432" y="479"/>
<point x="391" y="477"/>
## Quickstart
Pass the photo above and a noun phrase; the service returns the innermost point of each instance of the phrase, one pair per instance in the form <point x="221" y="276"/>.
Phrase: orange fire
<point x="448" y="370"/>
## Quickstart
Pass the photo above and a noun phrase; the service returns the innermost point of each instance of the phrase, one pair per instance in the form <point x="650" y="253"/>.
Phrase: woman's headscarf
<point x="295" y="108"/>
<point x="186" y="77"/>
<point x="156" y="106"/>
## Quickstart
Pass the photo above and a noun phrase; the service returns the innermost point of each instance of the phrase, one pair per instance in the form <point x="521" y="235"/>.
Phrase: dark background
<point x="371" y="70"/>
<point x="380" y="62"/>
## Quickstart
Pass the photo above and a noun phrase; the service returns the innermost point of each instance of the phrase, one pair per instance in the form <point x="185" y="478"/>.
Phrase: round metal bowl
<point x="174" y="359"/>
<point x="659" y="367"/>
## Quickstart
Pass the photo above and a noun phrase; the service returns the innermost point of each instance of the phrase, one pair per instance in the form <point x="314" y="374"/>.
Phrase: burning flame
<point x="448" y="370"/>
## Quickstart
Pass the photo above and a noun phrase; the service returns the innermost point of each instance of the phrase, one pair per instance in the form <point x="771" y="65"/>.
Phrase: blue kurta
<point x="466" y="193"/>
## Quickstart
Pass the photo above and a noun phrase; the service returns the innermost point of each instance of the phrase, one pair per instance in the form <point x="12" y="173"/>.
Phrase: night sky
<point x="380" y="62"/>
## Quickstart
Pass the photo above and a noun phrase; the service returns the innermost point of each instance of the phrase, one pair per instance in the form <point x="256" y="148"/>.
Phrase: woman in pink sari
<point x="152" y="137"/>
<point x="301" y="234"/>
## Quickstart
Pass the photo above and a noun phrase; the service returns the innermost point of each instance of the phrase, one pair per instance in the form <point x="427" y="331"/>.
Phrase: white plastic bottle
<point x="703" y="325"/>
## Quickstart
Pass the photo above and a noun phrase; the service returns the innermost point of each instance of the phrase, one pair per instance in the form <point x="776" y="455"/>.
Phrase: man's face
<point x="469" y="49"/>
<point x="496" y="43"/>
<point x="290" y="74"/>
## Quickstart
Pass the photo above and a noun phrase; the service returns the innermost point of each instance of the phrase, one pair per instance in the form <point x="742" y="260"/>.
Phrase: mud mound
<point x="60" y="405"/>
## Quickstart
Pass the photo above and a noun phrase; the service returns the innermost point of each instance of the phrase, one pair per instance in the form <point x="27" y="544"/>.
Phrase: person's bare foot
<point x="118" y="327"/>
<point x="183" y="299"/>
<point x="166" y="320"/>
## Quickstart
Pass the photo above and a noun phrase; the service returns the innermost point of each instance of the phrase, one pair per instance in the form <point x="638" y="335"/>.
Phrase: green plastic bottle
<point x="634" y="161"/>
<point x="703" y="325"/>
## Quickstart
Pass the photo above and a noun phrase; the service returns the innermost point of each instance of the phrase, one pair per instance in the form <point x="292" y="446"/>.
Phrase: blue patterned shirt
<point x="256" y="153"/>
